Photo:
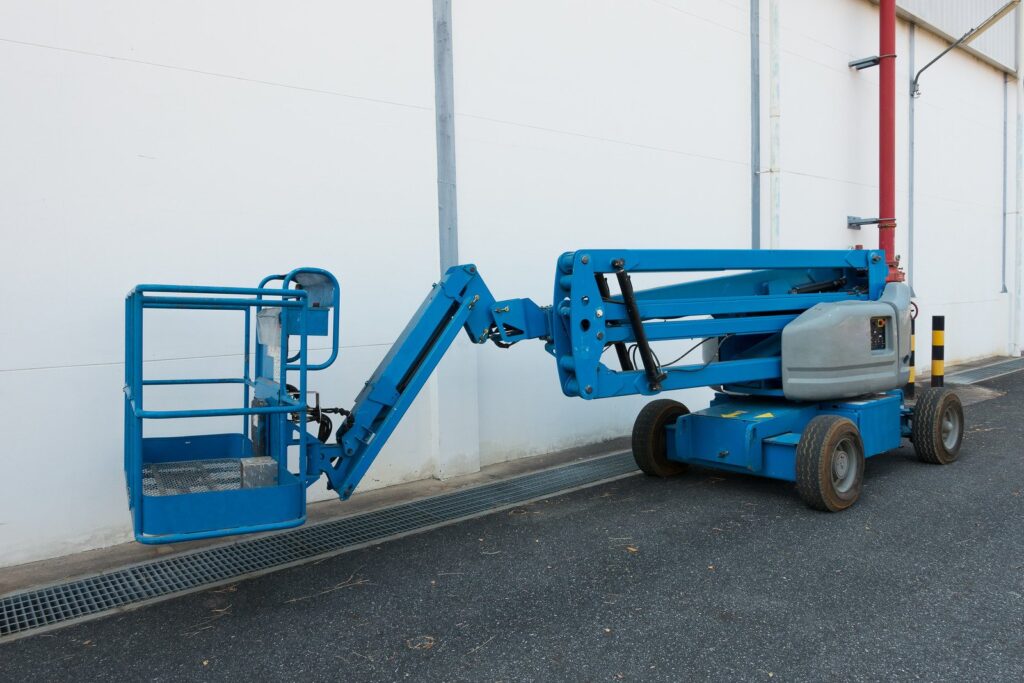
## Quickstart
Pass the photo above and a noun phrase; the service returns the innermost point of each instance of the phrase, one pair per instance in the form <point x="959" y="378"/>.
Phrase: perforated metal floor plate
<point x="191" y="476"/>
<point x="31" y="611"/>
<point x="986" y="372"/>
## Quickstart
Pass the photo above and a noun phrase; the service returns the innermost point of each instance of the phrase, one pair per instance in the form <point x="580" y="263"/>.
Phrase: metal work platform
<point x="193" y="486"/>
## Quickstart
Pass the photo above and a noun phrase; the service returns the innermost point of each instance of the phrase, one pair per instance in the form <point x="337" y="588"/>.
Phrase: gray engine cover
<point x="827" y="351"/>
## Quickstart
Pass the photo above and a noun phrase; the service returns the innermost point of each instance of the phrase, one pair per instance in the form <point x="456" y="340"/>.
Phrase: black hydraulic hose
<point x="817" y="287"/>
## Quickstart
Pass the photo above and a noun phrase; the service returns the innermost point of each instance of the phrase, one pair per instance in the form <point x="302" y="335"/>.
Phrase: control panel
<point x="879" y="326"/>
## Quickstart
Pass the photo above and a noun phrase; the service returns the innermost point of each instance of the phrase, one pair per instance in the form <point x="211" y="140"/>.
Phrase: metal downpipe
<point x="887" y="136"/>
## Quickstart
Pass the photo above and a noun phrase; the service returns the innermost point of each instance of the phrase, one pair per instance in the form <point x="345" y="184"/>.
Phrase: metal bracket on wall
<point x="865" y="63"/>
<point x="855" y="222"/>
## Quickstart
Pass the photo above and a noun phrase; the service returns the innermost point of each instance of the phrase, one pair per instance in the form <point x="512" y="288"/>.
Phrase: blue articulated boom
<point x="805" y="350"/>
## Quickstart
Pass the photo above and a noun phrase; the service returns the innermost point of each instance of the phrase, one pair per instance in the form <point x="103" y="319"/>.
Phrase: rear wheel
<point x="937" y="426"/>
<point x="650" y="447"/>
<point x="830" y="463"/>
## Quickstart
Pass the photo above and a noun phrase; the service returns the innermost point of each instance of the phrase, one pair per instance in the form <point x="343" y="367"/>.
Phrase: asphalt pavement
<point x="702" y="577"/>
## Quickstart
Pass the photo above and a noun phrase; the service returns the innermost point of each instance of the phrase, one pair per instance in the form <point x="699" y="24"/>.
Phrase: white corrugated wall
<point x="199" y="142"/>
<point x="956" y="17"/>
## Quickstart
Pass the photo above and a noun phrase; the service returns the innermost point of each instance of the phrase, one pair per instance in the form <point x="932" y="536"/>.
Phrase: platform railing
<point x="241" y="299"/>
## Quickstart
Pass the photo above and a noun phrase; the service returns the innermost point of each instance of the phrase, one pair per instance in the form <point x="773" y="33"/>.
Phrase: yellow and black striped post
<point x="938" y="350"/>
<point x="908" y="391"/>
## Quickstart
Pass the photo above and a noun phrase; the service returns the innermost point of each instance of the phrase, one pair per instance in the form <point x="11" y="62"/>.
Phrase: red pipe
<point x="887" y="137"/>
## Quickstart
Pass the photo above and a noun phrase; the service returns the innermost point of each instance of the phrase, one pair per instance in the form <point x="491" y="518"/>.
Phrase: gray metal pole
<point x="755" y="124"/>
<point x="444" y="107"/>
<point x="1016" y="308"/>
<point x="1006" y="143"/>
<point x="910" y="167"/>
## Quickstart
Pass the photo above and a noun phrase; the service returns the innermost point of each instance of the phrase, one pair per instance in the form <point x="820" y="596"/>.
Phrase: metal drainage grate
<point x="45" y="607"/>
<point x="986" y="372"/>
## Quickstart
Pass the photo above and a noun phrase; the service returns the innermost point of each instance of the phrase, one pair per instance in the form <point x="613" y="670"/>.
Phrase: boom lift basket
<point x="198" y="486"/>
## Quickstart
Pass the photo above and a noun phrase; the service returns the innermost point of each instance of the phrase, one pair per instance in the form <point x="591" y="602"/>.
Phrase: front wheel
<point x="830" y="463"/>
<point x="650" y="447"/>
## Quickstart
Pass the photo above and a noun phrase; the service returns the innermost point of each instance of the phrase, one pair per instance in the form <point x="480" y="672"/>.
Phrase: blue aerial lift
<point x="808" y="352"/>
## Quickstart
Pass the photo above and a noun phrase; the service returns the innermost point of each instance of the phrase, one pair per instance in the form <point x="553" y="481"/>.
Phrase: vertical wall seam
<point x="444" y="108"/>
<point x="774" y="116"/>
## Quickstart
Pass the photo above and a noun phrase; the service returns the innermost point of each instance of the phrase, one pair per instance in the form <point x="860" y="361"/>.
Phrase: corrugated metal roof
<point x="953" y="18"/>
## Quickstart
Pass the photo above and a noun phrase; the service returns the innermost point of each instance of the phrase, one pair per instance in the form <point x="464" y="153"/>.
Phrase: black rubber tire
<point x="649" y="445"/>
<point x="814" y="463"/>
<point x="926" y="425"/>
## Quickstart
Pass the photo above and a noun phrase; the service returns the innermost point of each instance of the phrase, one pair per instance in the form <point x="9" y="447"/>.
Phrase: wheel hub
<point x="844" y="466"/>
<point x="950" y="430"/>
<point x="841" y="464"/>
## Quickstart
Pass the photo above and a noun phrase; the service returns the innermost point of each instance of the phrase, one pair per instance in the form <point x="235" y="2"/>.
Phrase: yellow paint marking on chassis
<point x="735" y="413"/>
<point x="764" y="416"/>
